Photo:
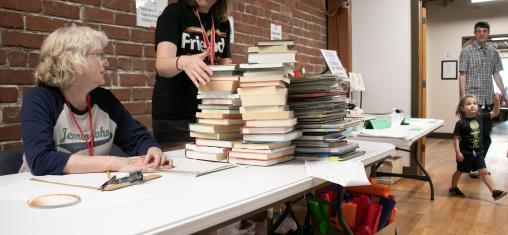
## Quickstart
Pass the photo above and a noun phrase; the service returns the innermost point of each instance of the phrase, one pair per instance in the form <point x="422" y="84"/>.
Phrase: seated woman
<point x="69" y="123"/>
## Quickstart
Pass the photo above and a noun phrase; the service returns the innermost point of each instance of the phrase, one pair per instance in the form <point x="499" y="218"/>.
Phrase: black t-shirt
<point x="175" y="98"/>
<point x="470" y="132"/>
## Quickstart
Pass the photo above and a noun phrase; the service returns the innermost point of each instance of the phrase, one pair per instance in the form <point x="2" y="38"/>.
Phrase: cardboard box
<point x="388" y="230"/>
<point x="390" y="165"/>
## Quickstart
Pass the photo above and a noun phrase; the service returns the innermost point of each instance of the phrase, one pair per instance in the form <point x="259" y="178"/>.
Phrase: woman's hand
<point x="151" y="162"/>
<point x="197" y="71"/>
<point x="131" y="164"/>
<point x="155" y="158"/>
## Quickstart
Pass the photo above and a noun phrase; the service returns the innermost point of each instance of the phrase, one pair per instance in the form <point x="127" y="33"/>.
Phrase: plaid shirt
<point x="480" y="64"/>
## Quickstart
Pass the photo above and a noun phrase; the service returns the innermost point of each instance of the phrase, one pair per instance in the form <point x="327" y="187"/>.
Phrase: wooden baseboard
<point x="438" y="135"/>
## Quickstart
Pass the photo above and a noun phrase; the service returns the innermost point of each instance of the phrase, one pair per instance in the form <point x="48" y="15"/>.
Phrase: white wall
<point x="382" y="52"/>
<point x="445" y="29"/>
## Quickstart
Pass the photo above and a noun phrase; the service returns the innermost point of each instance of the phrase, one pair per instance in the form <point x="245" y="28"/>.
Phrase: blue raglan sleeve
<point x="38" y="113"/>
<point x="130" y="135"/>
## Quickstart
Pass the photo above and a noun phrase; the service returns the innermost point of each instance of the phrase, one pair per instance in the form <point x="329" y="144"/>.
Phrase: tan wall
<point x="445" y="29"/>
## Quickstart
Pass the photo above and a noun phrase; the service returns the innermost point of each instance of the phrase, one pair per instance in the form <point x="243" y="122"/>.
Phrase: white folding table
<point x="403" y="137"/>
<point x="174" y="204"/>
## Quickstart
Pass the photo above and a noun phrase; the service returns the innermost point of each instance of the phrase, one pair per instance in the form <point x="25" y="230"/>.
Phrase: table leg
<point x="373" y="169"/>
<point x="269" y="219"/>
<point x="425" y="177"/>
<point x="340" y="197"/>
<point x="287" y="211"/>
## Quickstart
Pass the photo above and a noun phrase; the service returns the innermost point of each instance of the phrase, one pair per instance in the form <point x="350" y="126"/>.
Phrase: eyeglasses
<point x="101" y="55"/>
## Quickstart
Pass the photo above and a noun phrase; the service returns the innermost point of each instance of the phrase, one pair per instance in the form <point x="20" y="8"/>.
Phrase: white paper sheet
<point x="196" y="167"/>
<point x="397" y="133"/>
<point x="423" y="122"/>
<point x="147" y="12"/>
<point x="347" y="173"/>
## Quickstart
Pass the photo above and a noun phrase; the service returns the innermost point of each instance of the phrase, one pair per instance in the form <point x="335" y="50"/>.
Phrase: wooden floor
<point x="478" y="213"/>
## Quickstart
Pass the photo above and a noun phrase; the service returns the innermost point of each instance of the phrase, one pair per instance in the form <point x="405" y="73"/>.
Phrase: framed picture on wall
<point x="449" y="69"/>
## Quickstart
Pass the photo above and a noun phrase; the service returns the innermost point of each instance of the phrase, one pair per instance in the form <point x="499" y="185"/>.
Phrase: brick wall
<point x="25" y="23"/>
<point x="303" y="21"/>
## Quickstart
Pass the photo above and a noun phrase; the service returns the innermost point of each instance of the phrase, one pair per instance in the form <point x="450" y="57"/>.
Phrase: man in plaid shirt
<point x="479" y="63"/>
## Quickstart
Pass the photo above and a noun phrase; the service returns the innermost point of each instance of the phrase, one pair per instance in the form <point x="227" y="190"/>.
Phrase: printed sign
<point x="333" y="62"/>
<point x="147" y="12"/>
<point x="275" y="32"/>
<point x="232" y="23"/>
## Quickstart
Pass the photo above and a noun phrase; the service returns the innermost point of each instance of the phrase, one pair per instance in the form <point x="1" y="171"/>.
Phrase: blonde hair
<point x="461" y="104"/>
<point x="220" y="9"/>
<point x="63" y="54"/>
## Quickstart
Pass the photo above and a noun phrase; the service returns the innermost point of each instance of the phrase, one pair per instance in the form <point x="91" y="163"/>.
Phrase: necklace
<point x="91" y="142"/>
<point x="211" y="42"/>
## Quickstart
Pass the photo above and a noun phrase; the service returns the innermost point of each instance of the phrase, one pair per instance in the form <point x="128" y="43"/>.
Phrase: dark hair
<point x="482" y="24"/>
<point x="462" y="102"/>
<point x="220" y="9"/>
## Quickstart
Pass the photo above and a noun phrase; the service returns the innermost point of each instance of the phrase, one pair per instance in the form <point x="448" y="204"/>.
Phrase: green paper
<point x="378" y="123"/>
<point x="406" y="120"/>
<point x="432" y="121"/>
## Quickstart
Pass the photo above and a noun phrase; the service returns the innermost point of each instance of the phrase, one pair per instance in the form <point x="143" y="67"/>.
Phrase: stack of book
<point x="320" y="105"/>
<point x="269" y="123"/>
<point x="274" y="51"/>
<point x="219" y="120"/>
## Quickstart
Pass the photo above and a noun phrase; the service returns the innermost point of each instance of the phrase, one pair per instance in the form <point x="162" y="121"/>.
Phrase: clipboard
<point x="108" y="187"/>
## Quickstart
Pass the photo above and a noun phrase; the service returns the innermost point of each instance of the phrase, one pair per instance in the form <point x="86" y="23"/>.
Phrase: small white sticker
<point x="232" y="34"/>
<point x="275" y="32"/>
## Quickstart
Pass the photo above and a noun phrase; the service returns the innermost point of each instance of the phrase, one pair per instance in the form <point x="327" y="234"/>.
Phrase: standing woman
<point x="190" y="35"/>
<point x="69" y="123"/>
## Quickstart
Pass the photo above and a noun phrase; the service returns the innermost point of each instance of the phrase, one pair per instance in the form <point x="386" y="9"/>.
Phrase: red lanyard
<point x="211" y="42"/>
<point x="91" y="142"/>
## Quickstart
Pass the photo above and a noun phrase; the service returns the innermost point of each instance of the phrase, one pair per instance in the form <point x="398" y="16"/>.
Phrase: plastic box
<point x="390" y="165"/>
